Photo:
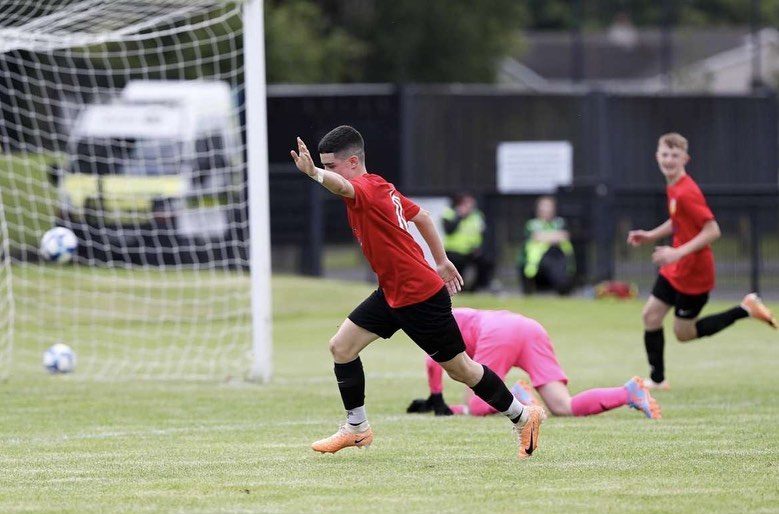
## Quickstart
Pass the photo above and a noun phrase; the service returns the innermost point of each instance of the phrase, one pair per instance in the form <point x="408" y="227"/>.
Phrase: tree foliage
<point x="381" y="41"/>
<point x="303" y="47"/>
<point x="439" y="40"/>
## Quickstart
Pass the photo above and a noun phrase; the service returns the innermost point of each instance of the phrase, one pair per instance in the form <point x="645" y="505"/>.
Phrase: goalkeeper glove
<point x="434" y="402"/>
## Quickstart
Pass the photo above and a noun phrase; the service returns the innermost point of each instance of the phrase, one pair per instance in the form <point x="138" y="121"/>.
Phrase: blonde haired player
<point x="687" y="267"/>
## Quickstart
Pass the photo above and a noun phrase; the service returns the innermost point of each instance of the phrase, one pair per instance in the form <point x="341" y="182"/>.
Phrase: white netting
<point x="121" y="121"/>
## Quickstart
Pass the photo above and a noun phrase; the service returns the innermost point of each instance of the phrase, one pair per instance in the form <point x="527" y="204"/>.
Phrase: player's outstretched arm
<point x="444" y="267"/>
<point x="333" y="182"/>
<point x="639" y="237"/>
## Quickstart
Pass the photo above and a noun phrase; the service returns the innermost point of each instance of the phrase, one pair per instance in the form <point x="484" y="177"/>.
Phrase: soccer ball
<point x="60" y="358"/>
<point x="58" y="245"/>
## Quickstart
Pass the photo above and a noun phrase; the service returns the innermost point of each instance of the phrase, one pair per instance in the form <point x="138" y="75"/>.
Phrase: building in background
<point x="624" y="58"/>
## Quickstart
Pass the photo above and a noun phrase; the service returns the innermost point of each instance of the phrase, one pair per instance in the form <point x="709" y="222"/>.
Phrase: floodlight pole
<point x="257" y="176"/>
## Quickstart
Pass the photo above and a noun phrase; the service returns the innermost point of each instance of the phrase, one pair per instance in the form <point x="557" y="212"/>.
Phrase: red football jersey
<point x="693" y="274"/>
<point x="378" y="215"/>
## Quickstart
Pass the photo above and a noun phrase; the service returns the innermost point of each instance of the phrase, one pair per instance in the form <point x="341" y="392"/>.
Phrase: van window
<point x="98" y="157"/>
<point x="120" y="156"/>
<point x="151" y="157"/>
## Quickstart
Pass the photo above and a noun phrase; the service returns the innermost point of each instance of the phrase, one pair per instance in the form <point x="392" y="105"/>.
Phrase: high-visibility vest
<point x="468" y="235"/>
<point x="533" y="251"/>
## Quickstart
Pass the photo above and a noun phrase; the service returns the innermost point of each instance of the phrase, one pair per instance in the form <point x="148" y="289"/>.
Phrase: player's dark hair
<point x="342" y="140"/>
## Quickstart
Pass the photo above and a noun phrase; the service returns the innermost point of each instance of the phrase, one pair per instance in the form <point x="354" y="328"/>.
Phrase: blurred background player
<point x="687" y="267"/>
<point x="464" y="229"/>
<point x="506" y="340"/>
<point x="411" y="295"/>
<point x="546" y="260"/>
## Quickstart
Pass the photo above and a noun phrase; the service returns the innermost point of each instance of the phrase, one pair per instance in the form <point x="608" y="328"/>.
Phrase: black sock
<point x="351" y="383"/>
<point x="492" y="390"/>
<point x="654" y="342"/>
<point x="716" y="322"/>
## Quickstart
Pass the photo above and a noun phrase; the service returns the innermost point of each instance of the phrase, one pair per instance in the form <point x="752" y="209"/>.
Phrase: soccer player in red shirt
<point x="687" y="268"/>
<point x="411" y="295"/>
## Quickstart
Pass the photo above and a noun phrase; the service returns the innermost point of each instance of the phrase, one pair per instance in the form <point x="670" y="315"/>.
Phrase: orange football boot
<point x="640" y="399"/>
<point x="756" y="309"/>
<point x="529" y="431"/>
<point x="343" y="439"/>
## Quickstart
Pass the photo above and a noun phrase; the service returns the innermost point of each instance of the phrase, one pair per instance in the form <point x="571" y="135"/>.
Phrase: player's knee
<point x="558" y="407"/>
<point x="651" y="319"/>
<point x="340" y="350"/>
<point x="684" y="334"/>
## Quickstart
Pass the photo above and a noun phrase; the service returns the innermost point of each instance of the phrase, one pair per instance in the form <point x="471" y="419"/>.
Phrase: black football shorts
<point x="430" y="323"/>
<point x="686" y="306"/>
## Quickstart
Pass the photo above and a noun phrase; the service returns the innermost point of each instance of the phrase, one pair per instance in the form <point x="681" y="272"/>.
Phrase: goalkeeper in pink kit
<point x="503" y="340"/>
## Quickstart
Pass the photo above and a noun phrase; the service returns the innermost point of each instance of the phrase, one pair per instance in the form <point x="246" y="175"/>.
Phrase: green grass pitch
<point x="73" y="445"/>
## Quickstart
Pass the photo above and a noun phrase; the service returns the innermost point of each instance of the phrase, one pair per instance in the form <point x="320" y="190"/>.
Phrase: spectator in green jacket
<point x="546" y="260"/>
<point x="463" y="241"/>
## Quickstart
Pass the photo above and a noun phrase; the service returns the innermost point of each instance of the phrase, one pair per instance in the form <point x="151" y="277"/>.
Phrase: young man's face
<point x="545" y="209"/>
<point x="347" y="168"/>
<point x="671" y="161"/>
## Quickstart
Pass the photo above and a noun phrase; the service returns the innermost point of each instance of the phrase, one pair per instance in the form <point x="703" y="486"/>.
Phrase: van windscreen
<point x="137" y="157"/>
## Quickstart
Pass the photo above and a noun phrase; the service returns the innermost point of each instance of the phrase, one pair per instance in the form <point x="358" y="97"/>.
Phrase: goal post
<point x="259" y="205"/>
<point x="139" y="125"/>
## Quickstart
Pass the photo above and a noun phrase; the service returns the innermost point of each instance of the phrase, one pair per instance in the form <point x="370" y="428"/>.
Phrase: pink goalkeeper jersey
<point x="498" y="333"/>
<point x="502" y="340"/>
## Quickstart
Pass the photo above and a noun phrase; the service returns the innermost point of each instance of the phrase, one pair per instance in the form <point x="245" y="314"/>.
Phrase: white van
<point x="162" y="154"/>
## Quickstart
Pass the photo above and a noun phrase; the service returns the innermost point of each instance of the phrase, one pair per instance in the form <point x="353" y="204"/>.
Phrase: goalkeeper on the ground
<point x="503" y="340"/>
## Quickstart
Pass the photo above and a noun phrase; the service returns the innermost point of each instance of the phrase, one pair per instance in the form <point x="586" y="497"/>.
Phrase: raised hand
<point x="451" y="277"/>
<point x="303" y="159"/>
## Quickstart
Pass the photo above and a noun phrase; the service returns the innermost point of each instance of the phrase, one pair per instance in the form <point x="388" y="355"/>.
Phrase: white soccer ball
<point x="60" y="358"/>
<point x="58" y="245"/>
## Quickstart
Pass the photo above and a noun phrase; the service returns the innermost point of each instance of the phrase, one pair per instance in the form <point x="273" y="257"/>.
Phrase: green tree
<point x="431" y="40"/>
<point x="302" y="46"/>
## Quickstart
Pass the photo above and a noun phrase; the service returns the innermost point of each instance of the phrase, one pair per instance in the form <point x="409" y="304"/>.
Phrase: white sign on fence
<point x="534" y="166"/>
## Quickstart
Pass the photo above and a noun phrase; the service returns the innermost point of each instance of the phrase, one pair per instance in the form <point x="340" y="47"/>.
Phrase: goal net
<point x="122" y="120"/>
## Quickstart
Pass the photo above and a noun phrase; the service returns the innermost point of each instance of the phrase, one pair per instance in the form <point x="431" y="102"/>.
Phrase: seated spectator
<point x="463" y="239"/>
<point x="546" y="260"/>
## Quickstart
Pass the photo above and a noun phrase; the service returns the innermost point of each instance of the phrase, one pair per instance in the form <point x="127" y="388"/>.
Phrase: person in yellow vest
<point x="463" y="240"/>
<point x="547" y="260"/>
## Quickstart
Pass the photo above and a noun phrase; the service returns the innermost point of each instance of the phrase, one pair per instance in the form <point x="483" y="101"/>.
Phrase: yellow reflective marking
<point x="80" y="187"/>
